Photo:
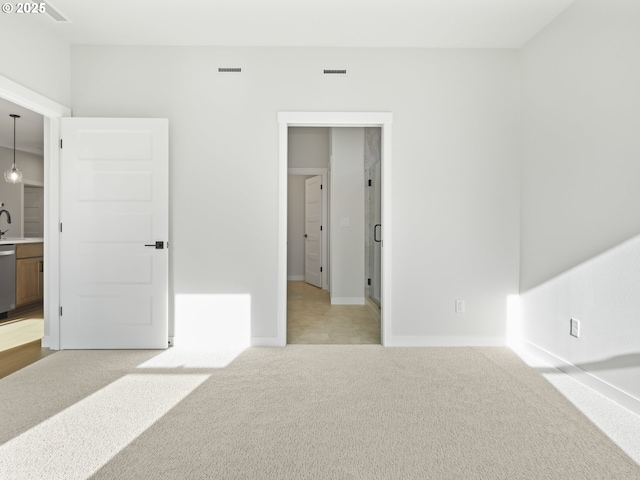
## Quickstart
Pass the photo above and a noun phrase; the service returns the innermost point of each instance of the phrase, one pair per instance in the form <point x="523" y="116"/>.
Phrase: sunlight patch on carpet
<point x="77" y="442"/>
<point x="615" y="421"/>
<point x="181" y="357"/>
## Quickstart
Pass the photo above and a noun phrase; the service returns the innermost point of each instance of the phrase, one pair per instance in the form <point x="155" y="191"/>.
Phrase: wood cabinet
<point x="29" y="273"/>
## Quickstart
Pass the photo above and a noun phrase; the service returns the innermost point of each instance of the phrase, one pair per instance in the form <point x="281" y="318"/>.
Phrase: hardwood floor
<point x="21" y="341"/>
<point x="17" y="358"/>
<point x="311" y="319"/>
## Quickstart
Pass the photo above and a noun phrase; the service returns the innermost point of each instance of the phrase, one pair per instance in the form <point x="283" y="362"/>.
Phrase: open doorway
<point x="48" y="267"/>
<point x="22" y="324"/>
<point x="334" y="309"/>
<point x="337" y="119"/>
<point x="22" y="205"/>
<point x="307" y="245"/>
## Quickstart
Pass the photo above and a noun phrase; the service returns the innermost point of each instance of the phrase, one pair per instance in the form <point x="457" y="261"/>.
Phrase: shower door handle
<point x="375" y="231"/>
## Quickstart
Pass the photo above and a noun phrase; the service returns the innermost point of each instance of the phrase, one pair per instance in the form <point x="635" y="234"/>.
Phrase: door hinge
<point x="368" y="281"/>
<point x="60" y="310"/>
<point x="320" y="227"/>
<point x="369" y="182"/>
<point x="320" y="269"/>
<point x="320" y="186"/>
<point x="60" y="143"/>
<point x="60" y="227"/>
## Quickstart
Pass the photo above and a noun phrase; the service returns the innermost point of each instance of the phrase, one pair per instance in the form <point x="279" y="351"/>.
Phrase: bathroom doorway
<point x="340" y="313"/>
<point x="335" y="120"/>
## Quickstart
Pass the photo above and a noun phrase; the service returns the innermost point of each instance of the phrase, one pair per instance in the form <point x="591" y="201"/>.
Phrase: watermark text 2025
<point x="29" y="7"/>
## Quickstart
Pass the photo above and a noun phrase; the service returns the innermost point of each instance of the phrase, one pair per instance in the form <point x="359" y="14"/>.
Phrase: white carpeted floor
<point x="316" y="412"/>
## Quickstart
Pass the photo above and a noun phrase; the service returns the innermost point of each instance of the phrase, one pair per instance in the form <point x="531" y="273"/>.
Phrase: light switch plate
<point x="459" y="306"/>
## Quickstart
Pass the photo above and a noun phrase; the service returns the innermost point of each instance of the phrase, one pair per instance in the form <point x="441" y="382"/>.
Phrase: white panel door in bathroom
<point x="313" y="231"/>
<point x="114" y="232"/>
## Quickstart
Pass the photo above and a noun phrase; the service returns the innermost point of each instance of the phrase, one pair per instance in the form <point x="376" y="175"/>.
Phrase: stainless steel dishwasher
<point x="7" y="278"/>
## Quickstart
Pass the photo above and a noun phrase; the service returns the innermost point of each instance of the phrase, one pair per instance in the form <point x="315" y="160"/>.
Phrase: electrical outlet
<point x="459" y="306"/>
<point x="574" y="328"/>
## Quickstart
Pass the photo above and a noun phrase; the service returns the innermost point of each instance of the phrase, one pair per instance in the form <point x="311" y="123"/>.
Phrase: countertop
<point x="12" y="241"/>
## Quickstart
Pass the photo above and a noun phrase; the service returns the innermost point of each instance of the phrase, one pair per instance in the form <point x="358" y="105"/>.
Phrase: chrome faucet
<point x="8" y="220"/>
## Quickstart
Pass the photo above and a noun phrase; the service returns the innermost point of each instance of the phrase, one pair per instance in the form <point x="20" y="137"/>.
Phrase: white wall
<point x="455" y="184"/>
<point x="347" y="203"/>
<point x="308" y="147"/>
<point x="34" y="56"/>
<point x="32" y="168"/>
<point x="580" y="195"/>
<point x="581" y="120"/>
<point x="295" y="225"/>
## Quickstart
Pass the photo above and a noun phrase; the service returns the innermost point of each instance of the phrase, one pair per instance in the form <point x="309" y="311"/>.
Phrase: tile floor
<point x="311" y="319"/>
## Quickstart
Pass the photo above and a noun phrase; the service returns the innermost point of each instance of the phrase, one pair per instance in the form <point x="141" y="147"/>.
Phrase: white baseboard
<point x="266" y="342"/>
<point x="46" y="341"/>
<point x="295" y="278"/>
<point x="347" y="300"/>
<point x="407" y="341"/>
<point x="444" y="341"/>
<point x="614" y="393"/>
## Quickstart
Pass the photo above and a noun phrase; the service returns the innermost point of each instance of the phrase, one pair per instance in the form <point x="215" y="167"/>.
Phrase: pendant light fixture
<point x="13" y="175"/>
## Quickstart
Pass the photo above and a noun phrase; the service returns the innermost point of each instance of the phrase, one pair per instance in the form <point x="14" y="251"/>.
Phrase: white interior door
<point x="113" y="204"/>
<point x="313" y="231"/>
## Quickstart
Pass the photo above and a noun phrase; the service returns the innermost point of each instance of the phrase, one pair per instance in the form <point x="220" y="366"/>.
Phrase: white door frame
<point x="325" y="216"/>
<point x="51" y="111"/>
<point x="334" y="119"/>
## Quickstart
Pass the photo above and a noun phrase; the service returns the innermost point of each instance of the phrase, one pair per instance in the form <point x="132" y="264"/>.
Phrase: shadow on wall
<point x="604" y="257"/>
<point x="631" y="360"/>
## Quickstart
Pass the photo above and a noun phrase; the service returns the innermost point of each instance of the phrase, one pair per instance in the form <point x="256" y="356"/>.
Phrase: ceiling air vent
<point x="329" y="71"/>
<point x="54" y="13"/>
<point x="229" y="70"/>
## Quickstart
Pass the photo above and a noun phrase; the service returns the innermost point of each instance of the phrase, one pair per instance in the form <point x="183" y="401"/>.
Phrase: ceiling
<point x="310" y="23"/>
<point x="287" y="23"/>
<point x="29" y="129"/>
